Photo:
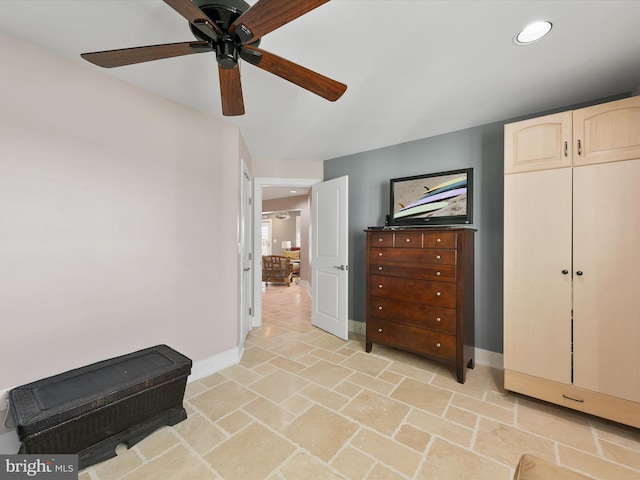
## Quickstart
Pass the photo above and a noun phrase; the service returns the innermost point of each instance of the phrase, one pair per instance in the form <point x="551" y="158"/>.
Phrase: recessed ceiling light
<point x="533" y="32"/>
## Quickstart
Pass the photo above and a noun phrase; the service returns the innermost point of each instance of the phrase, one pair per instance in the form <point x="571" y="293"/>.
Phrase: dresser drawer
<point x="408" y="240"/>
<point x="382" y="239"/>
<point x="442" y="273"/>
<point x="439" y="240"/>
<point x="413" y="255"/>
<point x="438" y="294"/>
<point x="412" y="338"/>
<point x="442" y="320"/>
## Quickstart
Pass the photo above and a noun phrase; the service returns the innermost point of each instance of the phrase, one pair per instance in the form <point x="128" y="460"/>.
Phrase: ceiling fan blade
<point x="128" y="56"/>
<point x="196" y="17"/>
<point x="267" y="15"/>
<point x="294" y="73"/>
<point x="231" y="91"/>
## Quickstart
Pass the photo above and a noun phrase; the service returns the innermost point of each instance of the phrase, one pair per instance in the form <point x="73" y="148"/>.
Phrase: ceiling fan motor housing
<point x="223" y="13"/>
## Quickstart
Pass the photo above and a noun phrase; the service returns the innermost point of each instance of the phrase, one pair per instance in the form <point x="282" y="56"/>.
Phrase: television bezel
<point x="466" y="219"/>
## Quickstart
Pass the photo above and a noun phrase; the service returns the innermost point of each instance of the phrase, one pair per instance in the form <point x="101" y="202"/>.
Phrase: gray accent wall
<point x="481" y="148"/>
<point x="369" y="172"/>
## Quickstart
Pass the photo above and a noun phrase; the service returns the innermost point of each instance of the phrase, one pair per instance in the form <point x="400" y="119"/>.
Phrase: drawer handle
<point x="437" y="274"/>
<point x="380" y="330"/>
<point x="379" y="254"/>
<point x="438" y="319"/>
<point x="379" y="268"/>
<point x="380" y="240"/>
<point x="380" y="285"/>
<point x="438" y="344"/>
<point x="407" y="240"/>
<point x="437" y="257"/>
<point x="438" y="240"/>
<point x="573" y="399"/>
<point x="380" y="307"/>
<point x="438" y="294"/>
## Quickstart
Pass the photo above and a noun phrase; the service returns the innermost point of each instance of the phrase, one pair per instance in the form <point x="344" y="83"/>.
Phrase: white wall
<point x="118" y="220"/>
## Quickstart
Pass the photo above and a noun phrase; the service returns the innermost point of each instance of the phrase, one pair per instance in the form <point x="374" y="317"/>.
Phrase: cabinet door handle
<point x="566" y="149"/>
<point x="579" y="273"/>
<point x="579" y="148"/>
<point x="565" y="272"/>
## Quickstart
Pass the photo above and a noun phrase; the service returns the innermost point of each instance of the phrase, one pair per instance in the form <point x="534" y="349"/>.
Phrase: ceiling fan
<point x="232" y="29"/>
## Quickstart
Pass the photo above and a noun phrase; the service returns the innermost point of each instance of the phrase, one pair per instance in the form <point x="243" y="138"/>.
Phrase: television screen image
<point x="432" y="199"/>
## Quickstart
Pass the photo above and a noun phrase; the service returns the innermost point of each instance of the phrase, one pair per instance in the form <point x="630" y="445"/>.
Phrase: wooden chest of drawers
<point x="420" y="293"/>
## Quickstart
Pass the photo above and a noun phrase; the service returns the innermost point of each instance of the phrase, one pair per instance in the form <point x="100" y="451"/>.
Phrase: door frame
<point x="258" y="183"/>
<point x="247" y="253"/>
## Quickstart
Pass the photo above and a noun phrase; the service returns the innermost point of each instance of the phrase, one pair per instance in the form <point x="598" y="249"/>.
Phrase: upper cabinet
<point x="608" y="132"/>
<point x="540" y="143"/>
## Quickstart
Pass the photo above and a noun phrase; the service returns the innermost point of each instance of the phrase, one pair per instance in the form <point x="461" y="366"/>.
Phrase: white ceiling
<point x="414" y="68"/>
<point x="273" y="192"/>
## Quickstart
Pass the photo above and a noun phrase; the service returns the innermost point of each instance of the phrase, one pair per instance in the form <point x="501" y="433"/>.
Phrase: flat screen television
<point x="443" y="198"/>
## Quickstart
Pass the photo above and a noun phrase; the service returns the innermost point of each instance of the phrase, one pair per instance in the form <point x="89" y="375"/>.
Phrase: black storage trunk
<point x="90" y="410"/>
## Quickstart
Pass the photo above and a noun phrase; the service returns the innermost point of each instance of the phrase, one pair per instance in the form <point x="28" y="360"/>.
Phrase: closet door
<point x="607" y="278"/>
<point x="537" y="294"/>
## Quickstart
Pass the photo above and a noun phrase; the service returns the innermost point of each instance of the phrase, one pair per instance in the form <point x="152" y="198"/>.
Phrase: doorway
<point x="258" y="185"/>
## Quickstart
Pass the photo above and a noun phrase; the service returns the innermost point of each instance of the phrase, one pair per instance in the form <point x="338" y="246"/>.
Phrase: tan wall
<point x="112" y="206"/>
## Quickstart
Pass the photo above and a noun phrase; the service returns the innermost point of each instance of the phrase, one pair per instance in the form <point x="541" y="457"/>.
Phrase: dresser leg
<point x="471" y="364"/>
<point x="368" y="346"/>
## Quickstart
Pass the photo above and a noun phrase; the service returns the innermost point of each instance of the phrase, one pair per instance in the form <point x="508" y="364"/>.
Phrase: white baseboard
<point x="357" y="327"/>
<point x="215" y="363"/>
<point x="488" y="358"/>
<point x="305" y="284"/>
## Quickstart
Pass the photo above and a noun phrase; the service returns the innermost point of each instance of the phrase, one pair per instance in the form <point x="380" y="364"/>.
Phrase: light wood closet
<point x="572" y="259"/>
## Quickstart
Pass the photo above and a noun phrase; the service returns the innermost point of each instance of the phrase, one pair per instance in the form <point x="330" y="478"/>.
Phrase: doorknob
<point x="341" y="267"/>
<point x="246" y="269"/>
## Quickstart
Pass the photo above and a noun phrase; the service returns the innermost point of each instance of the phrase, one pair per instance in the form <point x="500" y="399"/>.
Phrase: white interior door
<point x="246" y="242"/>
<point x="329" y="256"/>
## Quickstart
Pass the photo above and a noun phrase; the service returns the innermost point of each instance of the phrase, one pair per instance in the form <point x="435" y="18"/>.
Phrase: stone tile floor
<point x="303" y="404"/>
